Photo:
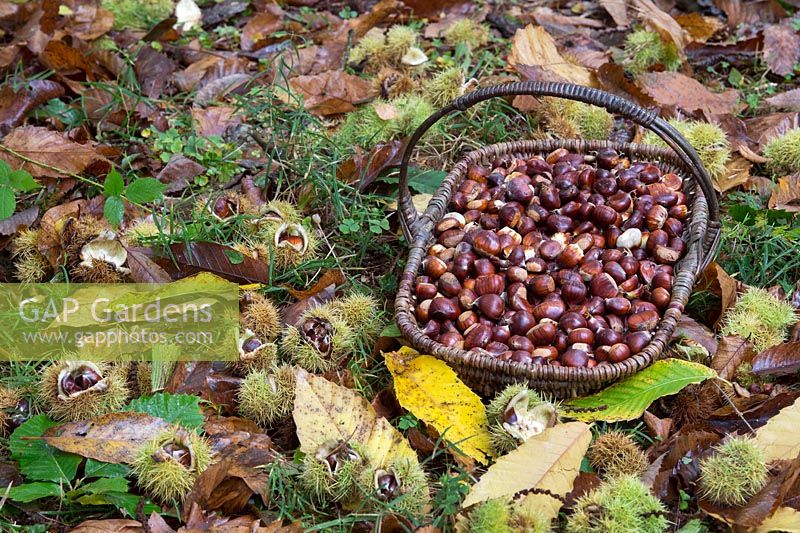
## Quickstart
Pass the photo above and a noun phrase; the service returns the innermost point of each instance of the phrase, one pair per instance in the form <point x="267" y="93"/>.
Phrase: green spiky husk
<point x="709" y="140"/>
<point x="9" y="398"/>
<point x="783" y="153"/>
<point x="32" y="268"/>
<point x="365" y="128"/>
<point x="138" y="14"/>
<point x="90" y="403"/>
<point x="144" y="378"/>
<point x="496" y="408"/>
<point x="295" y="348"/>
<point x="615" y="453"/>
<point x="620" y="504"/>
<point x="266" y="397"/>
<point x="467" y="32"/>
<point x="286" y="211"/>
<point x="445" y="86"/>
<point x="323" y="486"/>
<point x="645" y="49"/>
<point x="760" y="318"/>
<point x="491" y="516"/>
<point x="502" y="442"/>
<point x="263" y="360"/>
<point x="414" y="492"/>
<point x="285" y="256"/>
<point x="168" y="480"/>
<point x="262" y="317"/>
<point x="361" y="313"/>
<point x="567" y="118"/>
<point x="735" y="472"/>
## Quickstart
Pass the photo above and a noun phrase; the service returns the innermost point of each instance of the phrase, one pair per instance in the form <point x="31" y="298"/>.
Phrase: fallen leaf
<point x="330" y="93"/>
<point x="311" y="60"/>
<point x="15" y="105"/>
<point x="19" y="221"/>
<point x="699" y="27"/>
<point x="53" y="149"/>
<point x="751" y="12"/>
<point x="144" y="269"/>
<point x="533" y="46"/>
<point x="732" y="352"/>
<point x="548" y="461"/>
<point x="64" y="59"/>
<point x="787" y="100"/>
<point x="258" y="29"/>
<point x="385" y="111"/>
<point x="783" y="519"/>
<point x="764" y="128"/>
<point x="781" y="48"/>
<point x="153" y="70"/>
<point x="715" y="279"/>
<point x="778" y="437"/>
<point x="431" y="390"/>
<point x="219" y="88"/>
<point x="628" y="399"/>
<point x="90" y="22"/>
<point x="363" y="167"/>
<point x="673" y="89"/>
<point x="689" y="328"/>
<point x="660" y="21"/>
<point x="194" y="257"/>
<point x="780" y="360"/>
<point x="157" y="524"/>
<point x="326" y="412"/>
<point x="746" y="414"/>
<point x="214" y="120"/>
<point x="111" y="438"/>
<point x="659" y="427"/>
<point x="179" y="172"/>
<point x="112" y="525"/>
<point x="50" y="227"/>
<point x="332" y="276"/>
<point x="292" y="313"/>
<point x="786" y="195"/>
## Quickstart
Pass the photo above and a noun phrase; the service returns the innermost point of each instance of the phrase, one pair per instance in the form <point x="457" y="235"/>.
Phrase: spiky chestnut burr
<point x="168" y="465"/>
<point x="260" y="316"/>
<point x="402" y="484"/>
<point x="516" y="415"/>
<point x="266" y="397"/>
<point x="255" y="355"/>
<point x="76" y="390"/>
<point x="735" y="472"/>
<point x="491" y="516"/>
<point x="361" y="313"/>
<point x="615" y="453"/>
<point x="760" y="318"/>
<point x="620" y="504"/>
<point x="783" y="153"/>
<point x="319" y="341"/>
<point x="332" y="472"/>
<point x="14" y="410"/>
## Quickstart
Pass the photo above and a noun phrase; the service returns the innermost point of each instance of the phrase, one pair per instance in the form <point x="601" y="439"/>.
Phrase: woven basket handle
<point x="612" y="103"/>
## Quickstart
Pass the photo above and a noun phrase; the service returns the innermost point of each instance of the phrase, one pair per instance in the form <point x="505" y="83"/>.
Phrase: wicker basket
<point x="487" y="374"/>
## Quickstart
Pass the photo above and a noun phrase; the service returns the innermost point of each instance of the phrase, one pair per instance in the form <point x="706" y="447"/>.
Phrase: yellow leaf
<point x="778" y="437"/>
<point x="431" y="390"/>
<point x="783" y="519"/>
<point x="549" y="461"/>
<point x="324" y="411"/>
<point x="535" y="47"/>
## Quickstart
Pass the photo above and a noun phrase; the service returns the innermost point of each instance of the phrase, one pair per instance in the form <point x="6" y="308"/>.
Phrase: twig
<point x="735" y="409"/>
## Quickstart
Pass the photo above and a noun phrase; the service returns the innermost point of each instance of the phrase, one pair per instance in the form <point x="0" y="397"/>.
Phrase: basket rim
<point x="684" y="275"/>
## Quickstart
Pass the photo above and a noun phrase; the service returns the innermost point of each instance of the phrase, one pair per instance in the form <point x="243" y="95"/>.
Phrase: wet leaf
<point x="675" y="89"/>
<point x="363" y="167"/>
<point x="19" y="221"/>
<point x="53" y="149"/>
<point x="700" y="28"/>
<point x="783" y="359"/>
<point x="533" y="46"/>
<point x="548" y="461"/>
<point x="111" y="525"/>
<point x="111" y="438"/>
<point x="628" y="399"/>
<point x="786" y="196"/>
<point x="15" y="105"/>
<point x="781" y="48"/>
<point x="687" y="327"/>
<point x="778" y="437"/>
<point x="179" y="173"/>
<point x="431" y="390"/>
<point x="64" y="59"/>
<point x="214" y="120"/>
<point x="715" y="279"/>
<point x="656" y="19"/>
<point x="732" y="352"/>
<point x="324" y="412"/>
<point x="330" y="277"/>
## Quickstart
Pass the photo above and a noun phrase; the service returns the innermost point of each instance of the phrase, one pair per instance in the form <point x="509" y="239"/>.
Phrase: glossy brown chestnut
<point x="604" y="286"/>
<point x="478" y="336"/>
<point x="490" y="284"/>
<point x="491" y="306"/>
<point x="544" y="333"/>
<point x="443" y="309"/>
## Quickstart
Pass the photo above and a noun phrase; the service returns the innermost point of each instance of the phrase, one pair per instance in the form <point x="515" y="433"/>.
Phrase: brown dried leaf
<point x="292" y="313"/>
<point x="196" y="257"/>
<point x="50" y="228"/>
<point x="752" y="413"/>
<point x="363" y="168"/>
<point x="786" y="195"/>
<point x="330" y="93"/>
<point x="715" y="279"/>
<point x="659" y="427"/>
<point x="737" y="172"/>
<point x="750" y="12"/>
<point x="64" y="59"/>
<point x="111" y="438"/>
<point x="256" y="33"/>
<point x="700" y="28"/>
<point x="779" y="360"/>
<point x="53" y="149"/>
<point x="661" y="22"/>
<point x="766" y="127"/>
<point x="209" y="121"/>
<point x="678" y="90"/>
<point x="15" y="105"/>
<point x="781" y="48"/>
<point x="535" y="47"/>
<point x="112" y="525"/>
<point x="90" y="22"/>
<point x="219" y="88"/>
<point x="330" y="277"/>
<point x="699" y="333"/>
<point x="19" y="221"/>
<point x="787" y="100"/>
<point x="179" y="172"/>
<point x="157" y="524"/>
<point x="144" y="270"/>
<point x="311" y="60"/>
<point x="153" y="70"/>
<point x="618" y="11"/>
<point x="732" y="352"/>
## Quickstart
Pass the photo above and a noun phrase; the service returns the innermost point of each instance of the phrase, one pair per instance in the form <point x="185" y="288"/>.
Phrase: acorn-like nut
<point x="443" y="309"/>
<point x="422" y="310"/>
<point x="517" y="297"/>
<point x="604" y="216"/>
<point x="519" y="342"/>
<point x="643" y="321"/>
<point x="321" y="338"/>
<point x="451" y="339"/>
<point x="519" y="189"/>
<point x="673" y="227"/>
<point x="511" y="214"/>
<point x="477" y="336"/>
<point x="574" y="358"/>
<point x="544" y="333"/>
<point x="167" y="466"/>
<point x="618" y="305"/>
<point x="572" y="320"/>
<point x="605" y="186"/>
<point x="448" y="284"/>
<point x="620" y="201"/>
<point x="516" y="274"/>
<point x="661" y="278"/>
<point x="635" y="220"/>
<point x="490" y="284"/>
<point x="573" y="292"/>
<point x="637" y="340"/>
<point x="656" y="238"/>
<point x="589" y="269"/>
<point x="451" y="237"/>
<point x="483" y="267"/>
<point x="660" y="297"/>
<point x="451" y="220"/>
<point x="680" y="211"/>
<point x="491" y="306"/>
<point x="548" y="353"/>
<point x="630" y="238"/>
<point x="434" y="267"/>
<point x="486" y="243"/>
<point x="431" y="329"/>
<point x="637" y="306"/>
<point x="656" y="217"/>
<point x="609" y="337"/>
<point x="581" y="336"/>
<point x="570" y="256"/>
<point x="466" y="299"/>
<point x="521" y="322"/>
<point x="604" y="286"/>
<point x="551" y="308"/>
<point x="615" y="270"/>
<point x="548" y="198"/>
<point x="559" y="223"/>
<point x="425" y="291"/>
<point x="648" y="271"/>
<point x="466" y="320"/>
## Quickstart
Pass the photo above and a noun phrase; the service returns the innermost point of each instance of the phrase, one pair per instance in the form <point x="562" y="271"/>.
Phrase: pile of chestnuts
<point x="563" y="260"/>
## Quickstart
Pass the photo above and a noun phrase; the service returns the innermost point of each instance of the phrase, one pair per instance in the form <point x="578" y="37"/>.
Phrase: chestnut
<point x="604" y="286"/>
<point x="573" y="293"/>
<point x="574" y="358"/>
<point x="478" y="336"/>
<point x="552" y="308"/>
<point x="442" y="308"/>
<point x="618" y="353"/>
<point x="541" y="285"/>
<point x="489" y="284"/>
<point x="637" y="340"/>
<point x="543" y="333"/>
<point x="521" y="322"/>
<point x="491" y="306"/>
